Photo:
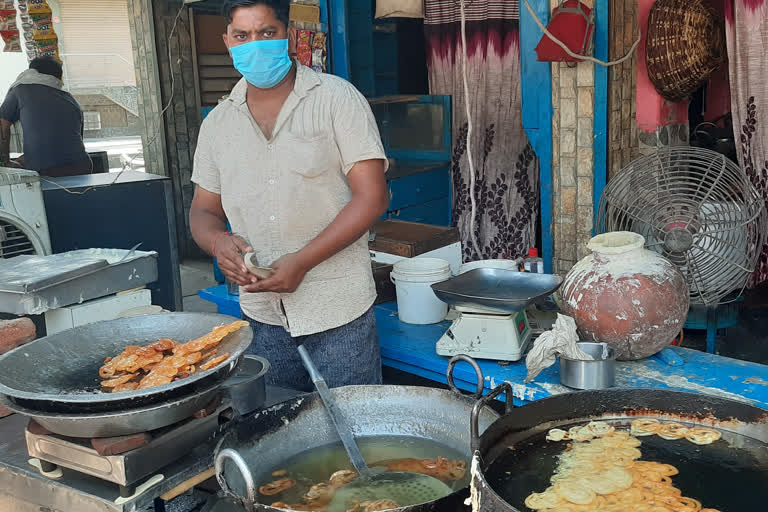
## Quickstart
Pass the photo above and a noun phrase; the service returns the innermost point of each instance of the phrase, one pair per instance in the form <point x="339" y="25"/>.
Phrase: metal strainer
<point x="402" y="488"/>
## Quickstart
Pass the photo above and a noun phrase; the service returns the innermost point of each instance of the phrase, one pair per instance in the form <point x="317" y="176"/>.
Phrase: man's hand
<point x="229" y="255"/>
<point x="290" y="270"/>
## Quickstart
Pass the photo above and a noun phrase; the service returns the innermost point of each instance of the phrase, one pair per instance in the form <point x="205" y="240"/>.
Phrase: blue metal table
<point x="411" y="348"/>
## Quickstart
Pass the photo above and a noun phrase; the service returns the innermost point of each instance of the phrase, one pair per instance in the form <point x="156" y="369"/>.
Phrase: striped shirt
<point x="281" y="193"/>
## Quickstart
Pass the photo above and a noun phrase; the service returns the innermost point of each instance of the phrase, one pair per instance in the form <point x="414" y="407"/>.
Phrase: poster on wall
<point x="9" y="30"/>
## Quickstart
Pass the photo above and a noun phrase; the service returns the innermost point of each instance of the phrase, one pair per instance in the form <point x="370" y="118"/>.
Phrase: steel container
<point x="597" y="374"/>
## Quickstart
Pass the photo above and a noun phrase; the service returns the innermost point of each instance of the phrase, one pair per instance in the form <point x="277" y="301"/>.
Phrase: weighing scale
<point x="491" y="303"/>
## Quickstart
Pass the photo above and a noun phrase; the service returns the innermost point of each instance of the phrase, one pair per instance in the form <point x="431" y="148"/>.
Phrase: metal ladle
<point x="401" y="487"/>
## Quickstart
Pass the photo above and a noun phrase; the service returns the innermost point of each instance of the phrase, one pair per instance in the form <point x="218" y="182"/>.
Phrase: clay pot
<point x="626" y="296"/>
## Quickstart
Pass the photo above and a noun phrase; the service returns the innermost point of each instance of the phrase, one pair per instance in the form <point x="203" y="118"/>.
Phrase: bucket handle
<point x="245" y="472"/>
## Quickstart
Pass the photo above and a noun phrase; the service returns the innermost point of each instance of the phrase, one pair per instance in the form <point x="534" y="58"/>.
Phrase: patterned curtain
<point x="746" y="29"/>
<point x="506" y="170"/>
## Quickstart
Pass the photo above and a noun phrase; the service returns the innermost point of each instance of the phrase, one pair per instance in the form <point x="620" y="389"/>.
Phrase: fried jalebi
<point x="602" y="474"/>
<point x="440" y="468"/>
<point x="701" y="435"/>
<point x="277" y="486"/>
<point x="644" y="427"/>
<point x="672" y="431"/>
<point x="373" y="506"/>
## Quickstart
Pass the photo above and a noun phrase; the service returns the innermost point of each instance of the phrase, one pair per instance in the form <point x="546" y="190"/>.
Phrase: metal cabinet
<point x="416" y="133"/>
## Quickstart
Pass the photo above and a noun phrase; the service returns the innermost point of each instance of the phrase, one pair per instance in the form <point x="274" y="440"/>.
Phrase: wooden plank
<point x="218" y="72"/>
<point x="600" y="127"/>
<point x="188" y="484"/>
<point x="217" y="85"/>
<point x="208" y="59"/>
<point x="536" y="91"/>
<point x="409" y="239"/>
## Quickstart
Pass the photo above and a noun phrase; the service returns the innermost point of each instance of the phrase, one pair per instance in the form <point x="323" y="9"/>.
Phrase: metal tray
<point x="31" y="285"/>
<point x="497" y="291"/>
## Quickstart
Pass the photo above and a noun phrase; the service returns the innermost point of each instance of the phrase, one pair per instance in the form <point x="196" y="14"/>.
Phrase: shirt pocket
<point x="310" y="157"/>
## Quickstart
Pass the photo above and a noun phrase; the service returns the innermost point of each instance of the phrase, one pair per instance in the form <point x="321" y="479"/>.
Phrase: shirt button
<point x="271" y="182"/>
<point x="272" y="217"/>
<point x="270" y="146"/>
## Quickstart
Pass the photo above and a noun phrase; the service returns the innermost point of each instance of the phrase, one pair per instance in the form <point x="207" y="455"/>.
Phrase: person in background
<point x="293" y="159"/>
<point x="51" y="121"/>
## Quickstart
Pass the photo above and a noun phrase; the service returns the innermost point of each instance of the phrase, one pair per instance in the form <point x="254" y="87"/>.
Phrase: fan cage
<point x="696" y="208"/>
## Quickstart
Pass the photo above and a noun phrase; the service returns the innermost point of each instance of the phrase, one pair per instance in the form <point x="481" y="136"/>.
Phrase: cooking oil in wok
<point x="317" y="465"/>
<point x="728" y="475"/>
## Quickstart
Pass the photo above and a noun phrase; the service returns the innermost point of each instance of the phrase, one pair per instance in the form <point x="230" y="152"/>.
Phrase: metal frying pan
<point x="60" y="373"/>
<point x="514" y="459"/>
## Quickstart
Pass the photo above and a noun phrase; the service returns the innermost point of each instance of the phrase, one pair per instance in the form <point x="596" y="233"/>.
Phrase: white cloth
<point x="561" y="340"/>
<point x="399" y="8"/>
<point x="34" y="77"/>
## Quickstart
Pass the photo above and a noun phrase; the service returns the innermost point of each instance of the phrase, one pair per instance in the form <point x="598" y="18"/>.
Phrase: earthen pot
<point x="626" y="296"/>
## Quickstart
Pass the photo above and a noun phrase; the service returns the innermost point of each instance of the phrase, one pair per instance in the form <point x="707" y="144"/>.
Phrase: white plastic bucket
<point x="500" y="264"/>
<point x="416" y="302"/>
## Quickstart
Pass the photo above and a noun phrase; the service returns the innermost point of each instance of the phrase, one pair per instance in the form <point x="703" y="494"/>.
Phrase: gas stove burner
<point x="126" y="460"/>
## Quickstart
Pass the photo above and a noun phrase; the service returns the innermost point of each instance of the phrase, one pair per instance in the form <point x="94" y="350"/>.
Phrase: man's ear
<point x="226" y="41"/>
<point x="292" y="38"/>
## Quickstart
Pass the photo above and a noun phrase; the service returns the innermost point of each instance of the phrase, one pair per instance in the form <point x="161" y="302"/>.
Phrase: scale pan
<point x="497" y="291"/>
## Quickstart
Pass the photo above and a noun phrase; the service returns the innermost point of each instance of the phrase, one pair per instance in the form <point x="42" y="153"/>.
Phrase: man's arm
<point x="9" y="114"/>
<point x="208" y="224"/>
<point x="369" y="202"/>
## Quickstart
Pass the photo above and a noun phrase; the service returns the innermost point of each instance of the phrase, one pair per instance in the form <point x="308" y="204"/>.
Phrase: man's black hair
<point x="281" y="8"/>
<point x="47" y="65"/>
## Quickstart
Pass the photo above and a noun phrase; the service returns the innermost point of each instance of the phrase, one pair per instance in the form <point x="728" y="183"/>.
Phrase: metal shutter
<point x="95" y="43"/>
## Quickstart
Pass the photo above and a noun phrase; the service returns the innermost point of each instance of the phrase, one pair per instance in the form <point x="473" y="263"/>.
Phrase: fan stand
<point x="713" y="319"/>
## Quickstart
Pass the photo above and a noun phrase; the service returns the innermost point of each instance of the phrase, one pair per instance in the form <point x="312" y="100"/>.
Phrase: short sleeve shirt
<point x="281" y="193"/>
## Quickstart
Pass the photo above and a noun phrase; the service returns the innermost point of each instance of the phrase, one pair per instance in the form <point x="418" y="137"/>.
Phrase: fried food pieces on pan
<point x="164" y="361"/>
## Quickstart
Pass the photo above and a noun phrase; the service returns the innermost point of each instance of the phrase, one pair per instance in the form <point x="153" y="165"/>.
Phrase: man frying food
<point x="294" y="161"/>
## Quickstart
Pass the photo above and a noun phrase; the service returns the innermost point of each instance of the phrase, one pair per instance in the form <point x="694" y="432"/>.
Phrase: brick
<point x="568" y="200"/>
<point x="567" y="76"/>
<point x="567" y="142"/>
<point x="584" y="195"/>
<point x="568" y="171"/>
<point x="585" y="74"/>
<point x="584" y="162"/>
<point x="567" y="113"/>
<point x="16" y="332"/>
<point x="584" y="224"/>
<point x="585" y="135"/>
<point x="586" y="101"/>
<point x="121" y="444"/>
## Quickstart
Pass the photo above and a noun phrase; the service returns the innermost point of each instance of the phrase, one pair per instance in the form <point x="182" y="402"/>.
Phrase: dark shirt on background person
<point x="51" y="120"/>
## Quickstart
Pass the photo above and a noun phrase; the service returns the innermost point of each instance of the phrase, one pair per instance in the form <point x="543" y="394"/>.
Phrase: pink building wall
<point x="653" y="111"/>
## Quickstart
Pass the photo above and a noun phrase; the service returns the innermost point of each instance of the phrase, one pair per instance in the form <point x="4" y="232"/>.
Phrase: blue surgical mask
<point x="264" y="64"/>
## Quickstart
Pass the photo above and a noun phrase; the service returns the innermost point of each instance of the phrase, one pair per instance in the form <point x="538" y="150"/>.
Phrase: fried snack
<point x="557" y="434"/>
<point x="280" y="472"/>
<point x="277" y="486"/>
<point x="163" y="361"/>
<point x="319" y="494"/>
<point x="580" y="433"/>
<point x="216" y="361"/>
<point x="128" y="386"/>
<point x="211" y="339"/>
<point x="672" y="431"/>
<point x="440" y="468"/>
<point x="342" y="477"/>
<point x="603" y="475"/>
<point x="702" y="436"/>
<point x="600" y="428"/>
<point x="308" y="507"/>
<point x="645" y="427"/>
<point x="111" y="383"/>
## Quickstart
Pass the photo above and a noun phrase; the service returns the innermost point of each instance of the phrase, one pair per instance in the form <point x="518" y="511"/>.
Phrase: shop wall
<point x="573" y="100"/>
<point x="623" y="145"/>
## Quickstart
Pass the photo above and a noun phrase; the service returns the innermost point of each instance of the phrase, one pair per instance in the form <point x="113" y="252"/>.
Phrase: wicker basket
<point x="685" y="43"/>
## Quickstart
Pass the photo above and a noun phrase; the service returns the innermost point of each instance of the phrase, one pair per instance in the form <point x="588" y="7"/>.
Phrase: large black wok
<point x="512" y="458"/>
<point x="257" y="445"/>
<point x="60" y="373"/>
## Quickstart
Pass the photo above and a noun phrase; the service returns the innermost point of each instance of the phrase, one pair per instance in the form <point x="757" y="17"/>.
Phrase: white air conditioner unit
<point x="23" y="225"/>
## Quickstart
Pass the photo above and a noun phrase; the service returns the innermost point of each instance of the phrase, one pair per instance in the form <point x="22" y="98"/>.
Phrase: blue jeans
<point x="344" y="356"/>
